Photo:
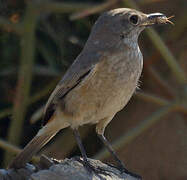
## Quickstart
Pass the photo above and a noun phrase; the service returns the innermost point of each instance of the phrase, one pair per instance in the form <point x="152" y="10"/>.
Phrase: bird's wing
<point x="81" y="67"/>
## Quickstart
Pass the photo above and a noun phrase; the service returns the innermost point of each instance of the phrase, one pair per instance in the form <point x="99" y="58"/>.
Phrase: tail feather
<point x="31" y="149"/>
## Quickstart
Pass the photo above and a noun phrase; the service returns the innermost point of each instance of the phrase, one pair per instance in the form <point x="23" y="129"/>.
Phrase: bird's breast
<point x="107" y="89"/>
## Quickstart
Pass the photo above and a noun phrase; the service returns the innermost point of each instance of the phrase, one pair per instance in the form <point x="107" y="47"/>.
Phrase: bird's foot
<point x="122" y="169"/>
<point x="91" y="168"/>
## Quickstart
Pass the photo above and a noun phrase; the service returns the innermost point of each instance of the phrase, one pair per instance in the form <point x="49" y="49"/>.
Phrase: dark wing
<point x="81" y="67"/>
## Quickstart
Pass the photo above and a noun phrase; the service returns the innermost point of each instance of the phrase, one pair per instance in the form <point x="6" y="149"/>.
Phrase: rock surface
<point x="68" y="169"/>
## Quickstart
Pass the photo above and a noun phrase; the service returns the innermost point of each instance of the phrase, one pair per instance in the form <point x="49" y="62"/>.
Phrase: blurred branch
<point x="94" y="10"/>
<point x="143" y="2"/>
<point x="43" y="92"/>
<point x="41" y="70"/>
<point x="5" y="113"/>
<point x="131" y="4"/>
<point x="24" y="78"/>
<point x="181" y="26"/>
<point x="14" y="149"/>
<point x="7" y="25"/>
<point x="37" y="115"/>
<point x="46" y="53"/>
<point x="138" y="130"/>
<point x="167" y="55"/>
<point x="9" y="147"/>
<point x="45" y="71"/>
<point x="39" y="95"/>
<point x="180" y="106"/>
<point x="152" y="98"/>
<point x="59" y="7"/>
<point x="161" y="82"/>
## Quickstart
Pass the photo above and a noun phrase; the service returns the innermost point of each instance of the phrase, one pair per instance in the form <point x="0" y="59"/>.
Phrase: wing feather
<point x="80" y="69"/>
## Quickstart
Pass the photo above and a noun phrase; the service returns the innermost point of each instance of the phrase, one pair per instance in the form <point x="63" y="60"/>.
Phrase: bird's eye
<point x="134" y="19"/>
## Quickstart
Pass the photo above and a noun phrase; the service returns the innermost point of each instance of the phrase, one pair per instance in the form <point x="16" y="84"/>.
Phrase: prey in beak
<point x="156" y="18"/>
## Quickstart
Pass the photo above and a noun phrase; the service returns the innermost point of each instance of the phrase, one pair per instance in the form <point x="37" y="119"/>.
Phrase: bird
<point x="98" y="84"/>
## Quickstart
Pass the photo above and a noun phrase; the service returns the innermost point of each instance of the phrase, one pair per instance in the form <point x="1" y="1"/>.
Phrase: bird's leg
<point x="121" y="165"/>
<point x="81" y="147"/>
<point x="86" y="163"/>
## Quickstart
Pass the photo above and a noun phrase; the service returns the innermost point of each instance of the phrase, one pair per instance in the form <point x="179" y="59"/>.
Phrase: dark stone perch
<point x="68" y="169"/>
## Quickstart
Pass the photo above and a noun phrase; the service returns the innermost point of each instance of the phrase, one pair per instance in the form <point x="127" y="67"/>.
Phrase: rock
<point x="68" y="169"/>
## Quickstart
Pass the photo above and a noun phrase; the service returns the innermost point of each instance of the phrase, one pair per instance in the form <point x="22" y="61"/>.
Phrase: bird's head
<point x="123" y="24"/>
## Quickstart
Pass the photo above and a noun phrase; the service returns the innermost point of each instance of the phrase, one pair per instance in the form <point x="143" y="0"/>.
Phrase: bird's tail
<point x="31" y="149"/>
<point x="43" y="137"/>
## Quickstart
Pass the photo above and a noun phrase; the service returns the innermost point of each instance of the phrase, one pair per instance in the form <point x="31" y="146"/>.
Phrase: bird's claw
<point x="122" y="169"/>
<point x="91" y="168"/>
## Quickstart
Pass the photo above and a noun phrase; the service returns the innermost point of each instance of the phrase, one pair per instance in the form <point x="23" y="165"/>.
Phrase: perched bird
<point x="99" y="83"/>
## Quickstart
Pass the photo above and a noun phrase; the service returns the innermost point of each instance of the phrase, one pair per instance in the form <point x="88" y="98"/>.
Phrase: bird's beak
<point x="156" y="18"/>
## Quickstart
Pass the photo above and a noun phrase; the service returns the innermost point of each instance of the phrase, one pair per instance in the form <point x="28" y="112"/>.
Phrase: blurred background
<point x="38" y="42"/>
